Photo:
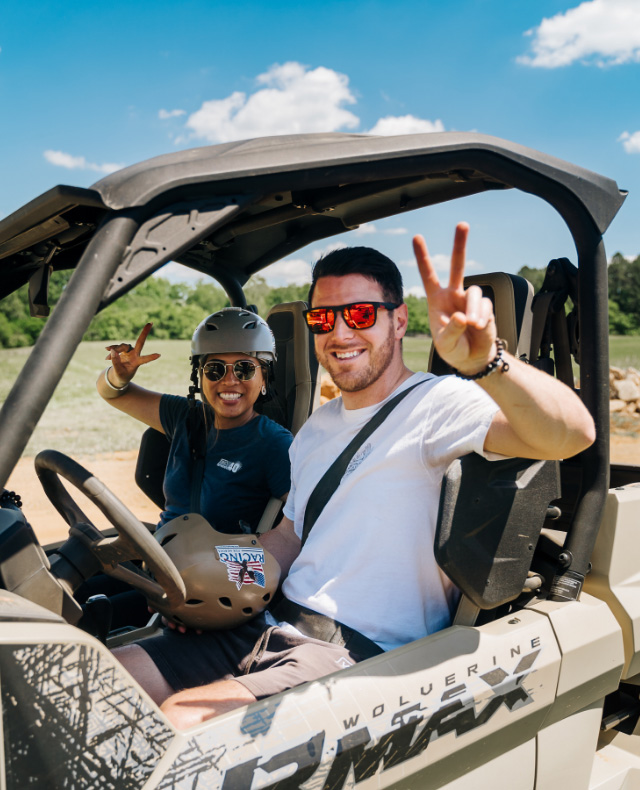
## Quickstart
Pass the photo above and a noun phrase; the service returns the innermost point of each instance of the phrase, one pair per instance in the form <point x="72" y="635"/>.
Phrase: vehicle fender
<point x="615" y="574"/>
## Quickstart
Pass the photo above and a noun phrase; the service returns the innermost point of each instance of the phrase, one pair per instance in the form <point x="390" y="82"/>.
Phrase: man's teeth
<point x="230" y="395"/>
<point x="347" y="354"/>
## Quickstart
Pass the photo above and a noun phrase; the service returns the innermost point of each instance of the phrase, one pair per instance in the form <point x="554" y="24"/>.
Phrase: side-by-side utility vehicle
<point x="536" y="683"/>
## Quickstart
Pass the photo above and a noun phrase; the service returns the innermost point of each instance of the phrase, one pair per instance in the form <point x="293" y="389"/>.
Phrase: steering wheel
<point x="134" y="541"/>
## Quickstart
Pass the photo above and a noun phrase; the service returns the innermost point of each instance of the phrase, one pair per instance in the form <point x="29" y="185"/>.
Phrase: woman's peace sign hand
<point x="126" y="359"/>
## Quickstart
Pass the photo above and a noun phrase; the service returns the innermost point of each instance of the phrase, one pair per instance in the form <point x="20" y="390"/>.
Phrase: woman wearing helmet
<point x="225" y="460"/>
<point x="234" y="458"/>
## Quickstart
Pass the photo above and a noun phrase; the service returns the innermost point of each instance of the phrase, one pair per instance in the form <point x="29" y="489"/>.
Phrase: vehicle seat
<point x="489" y="522"/>
<point x="152" y="464"/>
<point x="509" y="499"/>
<point x="296" y="370"/>
<point x="511" y="296"/>
<point x="295" y="390"/>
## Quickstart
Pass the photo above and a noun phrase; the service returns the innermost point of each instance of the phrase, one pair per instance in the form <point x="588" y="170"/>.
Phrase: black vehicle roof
<point x="290" y="191"/>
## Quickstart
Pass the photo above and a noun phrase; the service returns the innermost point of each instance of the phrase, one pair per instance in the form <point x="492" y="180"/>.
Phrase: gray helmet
<point x="233" y="329"/>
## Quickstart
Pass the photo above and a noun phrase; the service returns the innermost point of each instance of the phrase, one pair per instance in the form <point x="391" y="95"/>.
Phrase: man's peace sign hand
<point x="462" y="322"/>
<point x="126" y="359"/>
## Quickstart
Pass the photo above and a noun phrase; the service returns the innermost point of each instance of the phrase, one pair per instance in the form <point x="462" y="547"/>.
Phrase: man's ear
<point x="401" y="319"/>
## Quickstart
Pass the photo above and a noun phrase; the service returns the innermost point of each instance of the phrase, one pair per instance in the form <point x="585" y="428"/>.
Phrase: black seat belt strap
<point x="197" y="435"/>
<point x="319" y="626"/>
<point x="308" y="622"/>
<point x="540" y="309"/>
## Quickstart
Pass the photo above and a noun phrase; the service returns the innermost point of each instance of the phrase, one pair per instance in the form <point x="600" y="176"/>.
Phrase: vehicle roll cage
<point x="228" y="211"/>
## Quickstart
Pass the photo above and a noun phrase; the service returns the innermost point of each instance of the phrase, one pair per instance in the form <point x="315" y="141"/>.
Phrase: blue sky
<point x="87" y="87"/>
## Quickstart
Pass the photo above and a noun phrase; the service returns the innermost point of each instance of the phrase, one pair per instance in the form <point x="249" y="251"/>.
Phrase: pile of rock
<point x="624" y="390"/>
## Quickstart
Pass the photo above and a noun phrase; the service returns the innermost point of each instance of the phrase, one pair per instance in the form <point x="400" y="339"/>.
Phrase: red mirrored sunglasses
<point x="357" y="315"/>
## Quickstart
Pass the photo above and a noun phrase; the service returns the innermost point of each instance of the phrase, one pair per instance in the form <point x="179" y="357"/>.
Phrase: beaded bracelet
<point x="10" y="497"/>
<point x="497" y="363"/>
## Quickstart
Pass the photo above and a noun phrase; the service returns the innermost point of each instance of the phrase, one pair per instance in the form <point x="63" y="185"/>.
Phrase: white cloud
<point x="405" y="124"/>
<point x="177" y="273"/>
<point x="369" y="227"/>
<point x="61" y="159"/>
<point x="631" y="142"/>
<point x="365" y="230"/>
<point x="334" y="245"/>
<point x="415" y="290"/>
<point x="604" y="32"/>
<point x="291" y="99"/>
<point x="165" y="114"/>
<point x="442" y="264"/>
<point x="294" y="271"/>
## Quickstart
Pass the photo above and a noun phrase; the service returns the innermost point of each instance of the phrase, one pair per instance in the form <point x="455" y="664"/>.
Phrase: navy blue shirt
<point x="244" y="467"/>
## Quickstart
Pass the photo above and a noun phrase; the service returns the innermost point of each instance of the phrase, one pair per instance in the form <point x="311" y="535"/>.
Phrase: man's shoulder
<point x="448" y="382"/>
<point x="418" y="385"/>
<point x="330" y="414"/>
<point x="323" y="416"/>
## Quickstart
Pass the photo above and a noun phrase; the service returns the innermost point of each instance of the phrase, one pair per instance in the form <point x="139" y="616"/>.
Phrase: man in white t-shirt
<point x="368" y="561"/>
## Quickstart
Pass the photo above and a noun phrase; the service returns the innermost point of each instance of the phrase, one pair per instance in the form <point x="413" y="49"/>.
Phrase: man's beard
<point x="358" y="380"/>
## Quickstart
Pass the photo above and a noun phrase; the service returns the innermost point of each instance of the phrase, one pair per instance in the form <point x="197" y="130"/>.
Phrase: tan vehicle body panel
<point x="504" y="705"/>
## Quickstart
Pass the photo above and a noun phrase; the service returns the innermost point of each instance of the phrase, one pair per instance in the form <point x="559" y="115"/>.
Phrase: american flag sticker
<point x="244" y="566"/>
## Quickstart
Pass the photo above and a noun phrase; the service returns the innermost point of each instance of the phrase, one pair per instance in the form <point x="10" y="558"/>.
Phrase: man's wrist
<point x="496" y="363"/>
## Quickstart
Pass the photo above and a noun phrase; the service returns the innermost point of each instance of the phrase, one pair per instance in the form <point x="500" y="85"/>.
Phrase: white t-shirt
<point x="368" y="561"/>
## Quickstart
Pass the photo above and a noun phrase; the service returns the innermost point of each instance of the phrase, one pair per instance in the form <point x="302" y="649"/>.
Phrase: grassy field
<point x="78" y="422"/>
<point x="624" y="351"/>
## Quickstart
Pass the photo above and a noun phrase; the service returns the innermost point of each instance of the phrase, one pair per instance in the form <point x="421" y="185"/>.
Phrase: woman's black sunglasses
<point x="243" y="369"/>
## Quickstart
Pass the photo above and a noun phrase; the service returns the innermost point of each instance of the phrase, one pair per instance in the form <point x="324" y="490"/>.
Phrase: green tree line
<point x="624" y="293"/>
<point x="175" y="309"/>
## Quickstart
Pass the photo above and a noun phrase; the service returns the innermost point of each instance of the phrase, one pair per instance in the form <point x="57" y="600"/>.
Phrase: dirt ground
<point x="117" y="470"/>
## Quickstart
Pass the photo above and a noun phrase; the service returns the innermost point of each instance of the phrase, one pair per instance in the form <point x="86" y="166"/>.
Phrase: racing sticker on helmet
<point x="244" y="565"/>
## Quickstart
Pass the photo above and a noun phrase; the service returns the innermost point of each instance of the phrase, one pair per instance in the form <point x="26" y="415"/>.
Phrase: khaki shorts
<point x="265" y="659"/>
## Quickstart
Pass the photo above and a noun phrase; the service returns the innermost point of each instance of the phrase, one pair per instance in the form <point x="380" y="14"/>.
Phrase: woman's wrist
<point x="109" y="375"/>
<point x="107" y="389"/>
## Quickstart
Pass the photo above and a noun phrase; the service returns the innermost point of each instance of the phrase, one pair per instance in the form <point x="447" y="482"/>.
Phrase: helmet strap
<point x="195" y="383"/>
<point x="197" y="435"/>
